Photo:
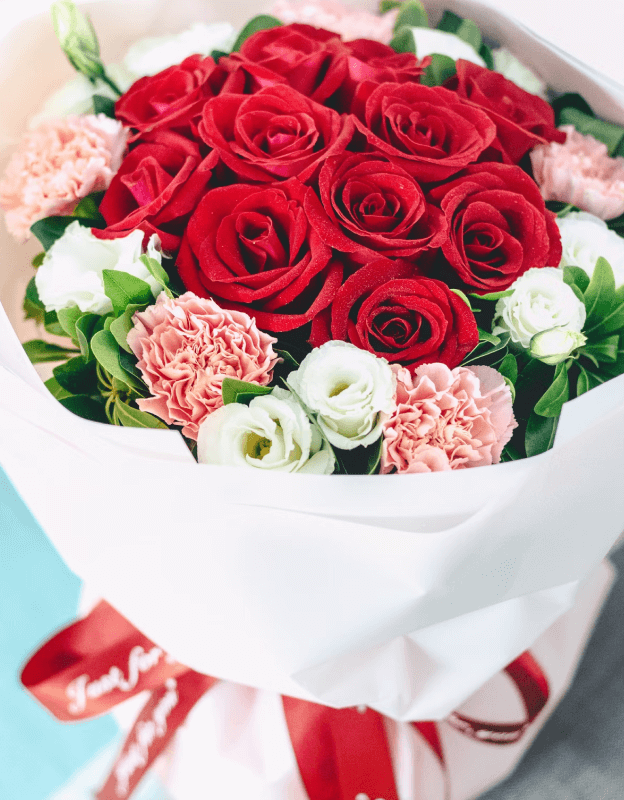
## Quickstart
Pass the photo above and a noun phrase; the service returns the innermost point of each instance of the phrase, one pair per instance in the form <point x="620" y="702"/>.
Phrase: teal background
<point x="38" y="595"/>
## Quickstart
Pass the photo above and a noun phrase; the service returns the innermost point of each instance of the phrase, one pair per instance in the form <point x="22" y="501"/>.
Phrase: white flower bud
<point x="350" y="390"/>
<point x="272" y="433"/>
<point x="554" y="346"/>
<point x="71" y="272"/>
<point x="77" y="38"/>
<point x="540" y="301"/>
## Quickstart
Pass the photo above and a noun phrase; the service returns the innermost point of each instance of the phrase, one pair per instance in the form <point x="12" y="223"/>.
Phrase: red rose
<point x="244" y="77"/>
<point x="172" y="98"/>
<point x="426" y="130"/>
<point x="522" y="120"/>
<point x="156" y="189"/>
<point x="498" y="225"/>
<point x="368" y="202"/>
<point x="374" y="63"/>
<point x="251" y="248"/>
<point x="408" y="319"/>
<point x="274" y="134"/>
<point x="313" y="61"/>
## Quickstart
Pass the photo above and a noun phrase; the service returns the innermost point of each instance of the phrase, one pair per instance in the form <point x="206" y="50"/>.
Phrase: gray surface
<point x="580" y="753"/>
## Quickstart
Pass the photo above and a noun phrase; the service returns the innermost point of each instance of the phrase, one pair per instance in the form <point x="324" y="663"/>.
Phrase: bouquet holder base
<point x="235" y="743"/>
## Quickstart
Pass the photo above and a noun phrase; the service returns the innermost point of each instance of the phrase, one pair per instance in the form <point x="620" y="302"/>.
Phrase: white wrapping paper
<point x="403" y="593"/>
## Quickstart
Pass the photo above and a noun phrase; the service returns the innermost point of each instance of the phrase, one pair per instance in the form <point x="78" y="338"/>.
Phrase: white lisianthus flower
<point x="273" y="433"/>
<point x="430" y="41"/>
<point x="554" y="346"/>
<point x="585" y="238"/>
<point x="349" y="389"/>
<point x="71" y="272"/>
<point x="514" y="70"/>
<point x="540" y="301"/>
<point x="152" y="55"/>
<point x="75" y="97"/>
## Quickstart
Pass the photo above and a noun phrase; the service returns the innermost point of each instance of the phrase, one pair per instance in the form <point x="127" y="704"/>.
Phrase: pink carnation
<point x="186" y="347"/>
<point x="336" y="17"/>
<point x="580" y="172"/>
<point x="59" y="163"/>
<point x="447" y="419"/>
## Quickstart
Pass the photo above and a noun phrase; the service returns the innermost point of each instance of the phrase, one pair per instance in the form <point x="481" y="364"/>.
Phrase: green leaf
<point x="508" y="368"/>
<point x="121" y="327"/>
<point x="86" y="326"/>
<point x="50" y="229"/>
<point x="540" y="434"/>
<point x="217" y="54"/>
<point x="235" y="391"/>
<point x="40" y="352"/>
<point x="551" y="402"/>
<point x="103" y="105"/>
<point x="604" y="350"/>
<point x="56" y="390"/>
<point x="33" y="307"/>
<point x="570" y="100"/>
<point x="459" y="293"/>
<point x="487" y="347"/>
<point x="510" y="453"/>
<point x="403" y="41"/>
<point x="288" y="359"/>
<point x="612" y="135"/>
<point x="411" y="15"/>
<point x="374" y="457"/>
<point x="575" y="276"/>
<point x="38" y="260"/>
<point x="599" y="295"/>
<point x="492" y="296"/>
<point x="465" y="29"/>
<point x="439" y="71"/>
<point x="68" y="317"/>
<point x="106" y="351"/>
<point x="89" y="208"/>
<point x="485" y="336"/>
<point x="486" y="54"/>
<point x="124" y="289"/>
<point x="389" y="5"/>
<point x="158" y="273"/>
<point x="262" y="22"/>
<point x="131" y="417"/>
<point x="76" y="376"/>
<point x="582" y="383"/>
<point x="86" y="407"/>
<point x="52" y="324"/>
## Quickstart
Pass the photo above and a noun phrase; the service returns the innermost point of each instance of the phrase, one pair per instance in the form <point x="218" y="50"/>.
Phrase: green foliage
<point x="389" y="5"/>
<point x="558" y="393"/>
<point x="131" y="417"/>
<point x="235" y="391"/>
<point x="439" y="71"/>
<point x="106" y="351"/>
<point x="85" y="406"/>
<point x="121" y="327"/>
<point x="55" y="389"/>
<point x="262" y="22"/>
<point x="68" y="317"/>
<point x="103" y="105"/>
<point x="489" y="345"/>
<point x="77" y="376"/>
<point x="540" y="434"/>
<point x="157" y="272"/>
<point x="124" y="289"/>
<point x="465" y="29"/>
<point x="40" y="352"/>
<point x="403" y="41"/>
<point x="411" y="15"/>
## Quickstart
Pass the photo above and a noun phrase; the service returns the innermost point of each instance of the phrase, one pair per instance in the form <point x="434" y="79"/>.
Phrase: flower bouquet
<point x="342" y="244"/>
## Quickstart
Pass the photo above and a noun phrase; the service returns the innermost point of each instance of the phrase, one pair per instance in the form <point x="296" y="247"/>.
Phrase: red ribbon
<point x="102" y="660"/>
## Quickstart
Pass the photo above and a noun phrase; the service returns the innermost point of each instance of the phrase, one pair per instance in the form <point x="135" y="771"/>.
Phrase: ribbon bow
<point x="99" y="661"/>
